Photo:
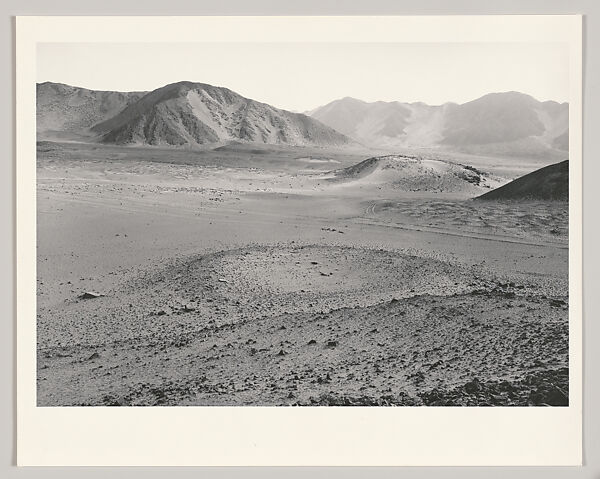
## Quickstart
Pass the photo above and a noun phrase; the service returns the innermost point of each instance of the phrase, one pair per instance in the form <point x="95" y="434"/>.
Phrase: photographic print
<point x="231" y="225"/>
<point x="368" y="225"/>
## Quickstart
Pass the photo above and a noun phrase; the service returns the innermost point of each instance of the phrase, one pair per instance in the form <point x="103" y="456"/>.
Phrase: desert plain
<point x="268" y="275"/>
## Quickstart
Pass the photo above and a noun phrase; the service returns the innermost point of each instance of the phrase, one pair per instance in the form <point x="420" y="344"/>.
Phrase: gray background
<point x="591" y="166"/>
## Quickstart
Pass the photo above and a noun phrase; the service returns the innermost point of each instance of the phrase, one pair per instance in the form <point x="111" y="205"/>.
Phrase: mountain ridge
<point x="62" y="107"/>
<point x="508" y="123"/>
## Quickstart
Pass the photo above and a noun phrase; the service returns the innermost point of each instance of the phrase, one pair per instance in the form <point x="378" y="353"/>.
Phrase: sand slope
<point x="416" y="174"/>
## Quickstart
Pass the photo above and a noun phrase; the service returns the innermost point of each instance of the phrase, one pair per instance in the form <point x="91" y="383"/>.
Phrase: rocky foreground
<point x="309" y="325"/>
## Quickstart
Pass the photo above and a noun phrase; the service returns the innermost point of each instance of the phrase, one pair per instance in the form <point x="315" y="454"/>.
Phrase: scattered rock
<point x="90" y="295"/>
<point x="557" y="303"/>
<point x="473" y="387"/>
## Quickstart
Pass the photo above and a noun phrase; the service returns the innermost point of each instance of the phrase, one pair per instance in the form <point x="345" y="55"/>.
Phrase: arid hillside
<point x="183" y="114"/>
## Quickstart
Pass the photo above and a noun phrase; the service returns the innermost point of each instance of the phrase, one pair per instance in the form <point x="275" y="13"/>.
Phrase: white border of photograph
<point x="265" y="436"/>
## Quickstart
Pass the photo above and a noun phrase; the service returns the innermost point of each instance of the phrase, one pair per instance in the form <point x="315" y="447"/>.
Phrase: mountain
<point x="64" y="108"/>
<point x="548" y="183"/>
<point x="180" y="114"/>
<point x="187" y="113"/>
<point x="509" y="123"/>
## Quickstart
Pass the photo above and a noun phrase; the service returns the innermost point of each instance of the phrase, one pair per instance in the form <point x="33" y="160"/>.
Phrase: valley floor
<point x="270" y="285"/>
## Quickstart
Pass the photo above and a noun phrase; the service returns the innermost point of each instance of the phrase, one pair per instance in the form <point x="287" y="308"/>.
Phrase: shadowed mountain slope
<point x="548" y="183"/>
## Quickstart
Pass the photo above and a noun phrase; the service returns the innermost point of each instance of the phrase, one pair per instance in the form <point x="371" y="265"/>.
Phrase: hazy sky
<point x="302" y="76"/>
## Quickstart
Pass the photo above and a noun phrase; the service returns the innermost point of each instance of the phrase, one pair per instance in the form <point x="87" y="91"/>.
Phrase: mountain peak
<point x="504" y="96"/>
<point x="186" y="85"/>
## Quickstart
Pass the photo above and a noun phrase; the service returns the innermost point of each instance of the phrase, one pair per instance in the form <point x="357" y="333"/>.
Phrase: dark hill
<point x="548" y="183"/>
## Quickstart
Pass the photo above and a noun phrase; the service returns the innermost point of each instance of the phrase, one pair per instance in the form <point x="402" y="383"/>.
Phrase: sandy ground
<point x="264" y="284"/>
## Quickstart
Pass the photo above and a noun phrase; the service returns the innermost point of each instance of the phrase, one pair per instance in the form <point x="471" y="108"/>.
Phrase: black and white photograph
<point x="302" y="224"/>
<point x="300" y="240"/>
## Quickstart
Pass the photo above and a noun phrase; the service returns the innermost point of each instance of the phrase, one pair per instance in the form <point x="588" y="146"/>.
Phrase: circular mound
<point x="287" y="279"/>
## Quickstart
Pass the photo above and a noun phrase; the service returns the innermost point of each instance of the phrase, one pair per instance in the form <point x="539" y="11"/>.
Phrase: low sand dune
<point x="417" y="174"/>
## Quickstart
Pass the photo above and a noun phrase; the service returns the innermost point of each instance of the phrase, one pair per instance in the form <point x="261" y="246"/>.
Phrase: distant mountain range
<point x="187" y="114"/>
<point x="508" y="123"/>
<point x="180" y="114"/>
